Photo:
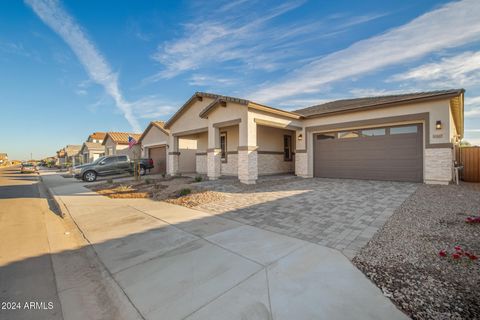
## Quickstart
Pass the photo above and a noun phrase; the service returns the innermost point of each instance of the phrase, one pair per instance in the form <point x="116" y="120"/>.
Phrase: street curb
<point x="60" y="206"/>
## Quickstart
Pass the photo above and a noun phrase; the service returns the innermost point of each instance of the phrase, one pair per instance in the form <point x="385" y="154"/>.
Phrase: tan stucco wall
<point x="188" y="148"/>
<point x="271" y="139"/>
<point x="232" y="137"/>
<point x="154" y="137"/>
<point x="190" y="120"/>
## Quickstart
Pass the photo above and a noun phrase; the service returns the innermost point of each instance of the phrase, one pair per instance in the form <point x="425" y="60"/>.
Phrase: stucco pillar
<point x="213" y="153"/>
<point x="173" y="155"/>
<point x="247" y="152"/>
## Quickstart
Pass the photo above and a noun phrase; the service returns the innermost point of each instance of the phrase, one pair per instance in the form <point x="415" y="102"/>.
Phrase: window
<point x="287" y="148"/>
<point x="403" y="130"/>
<point x="223" y="146"/>
<point x="373" y="132"/>
<point x="109" y="160"/>
<point x="122" y="158"/>
<point x="326" y="136"/>
<point x="348" y="134"/>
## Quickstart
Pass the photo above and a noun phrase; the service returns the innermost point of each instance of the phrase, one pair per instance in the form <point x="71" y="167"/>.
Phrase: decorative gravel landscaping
<point x="425" y="256"/>
<point x="156" y="189"/>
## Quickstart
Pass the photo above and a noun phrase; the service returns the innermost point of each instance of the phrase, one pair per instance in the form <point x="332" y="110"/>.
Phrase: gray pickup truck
<point x="110" y="165"/>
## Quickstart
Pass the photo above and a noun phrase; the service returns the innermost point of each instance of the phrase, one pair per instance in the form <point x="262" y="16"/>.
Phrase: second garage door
<point x="159" y="156"/>
<point x="387" y="153"/>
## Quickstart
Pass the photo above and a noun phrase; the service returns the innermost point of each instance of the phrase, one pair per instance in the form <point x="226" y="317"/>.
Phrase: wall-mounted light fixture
<point x="438" y="125"/>
<point x="300" y="136"/>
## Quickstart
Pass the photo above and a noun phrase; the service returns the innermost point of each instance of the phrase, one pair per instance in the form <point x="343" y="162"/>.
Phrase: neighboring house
<point x="3" y="159"/>
<point x="91" y="151"/>
<point x="408" y="137"/>
<point x="96" y="137"/>
<point x="154" y="142"/>
<point x="116" y="143"/>
<point x="72" y="154"/>
<point x="61" y="158"/>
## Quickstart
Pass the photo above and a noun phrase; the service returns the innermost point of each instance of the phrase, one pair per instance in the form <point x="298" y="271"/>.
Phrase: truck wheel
<point x="90" y="176"/>
<point x="142" y="171"/>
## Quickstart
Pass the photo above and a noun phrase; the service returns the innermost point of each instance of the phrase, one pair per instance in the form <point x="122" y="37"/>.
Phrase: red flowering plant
<point x="473" y="219"/>
<point x="458" y="254"/>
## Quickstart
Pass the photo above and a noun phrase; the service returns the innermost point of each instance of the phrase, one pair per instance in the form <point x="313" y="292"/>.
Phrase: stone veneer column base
<point x="247" y="166"/>
<point x="301" y="165"/>
<point x="201" y="163"/>
<point x="173" y="163"/>
<point x="213" y="163"/>
<point x="438" y="165"/>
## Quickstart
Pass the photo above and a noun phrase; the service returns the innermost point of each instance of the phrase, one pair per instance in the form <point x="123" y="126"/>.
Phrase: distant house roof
<point x="92" y="146"/>
<point x="72" y="149"/>
<point x="120" y="137"/>
<point x="347" y="105"/>
<point x="97" y="135"/>
<point x="158" y="124"/>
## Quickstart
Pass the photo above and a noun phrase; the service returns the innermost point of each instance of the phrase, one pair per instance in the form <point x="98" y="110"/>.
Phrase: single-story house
<point x="116" y="143"/>
<point x="91" y="151"/>
<point x="61" y="160"/>
<point x="92" y="148"/>
<point x="154" y="141"/>
<point x="96" y="137"/>
<point x="72" y="154"/>
<point x="407" y="137"/>
<point x="3" y="159"/>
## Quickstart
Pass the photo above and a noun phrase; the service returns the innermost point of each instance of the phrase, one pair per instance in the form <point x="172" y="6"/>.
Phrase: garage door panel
<point x="159" y="157"/>
<point x="389" y="157"/>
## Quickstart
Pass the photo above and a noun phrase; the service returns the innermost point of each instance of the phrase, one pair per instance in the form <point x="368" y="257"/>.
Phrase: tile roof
<point x="379" y="101"/>
<point x="93" y="146"/>
<point x="121" y="137"/>
<point x="159" y="124"/>
<point x="98" y="135"/>
<point x="72" y="149"/>
<point x="217" y="98"/>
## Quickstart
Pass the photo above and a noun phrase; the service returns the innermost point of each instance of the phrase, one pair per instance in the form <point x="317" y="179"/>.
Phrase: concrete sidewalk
<point x="177" y="263"/>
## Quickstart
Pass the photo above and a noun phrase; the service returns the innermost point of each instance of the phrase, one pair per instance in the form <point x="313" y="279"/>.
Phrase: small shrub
<point x="110" y="180"/>
<point x="184" y="192"/>
<point x="156" y="186"/>
<point x="198" y="179"/>
<point x="163" y="175"/>
<point x="148" y="181"/>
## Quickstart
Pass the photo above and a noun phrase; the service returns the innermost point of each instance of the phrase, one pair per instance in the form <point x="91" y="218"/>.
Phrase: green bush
<point x="184" y="192"/>
<point x="148" y="181"/>
<point x="110" y="180"/>
<point x="198" y="179"/>
<point x="164" y="175"/>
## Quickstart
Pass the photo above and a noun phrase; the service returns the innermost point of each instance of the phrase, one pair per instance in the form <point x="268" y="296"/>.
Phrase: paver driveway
<point x="338" y="213"/>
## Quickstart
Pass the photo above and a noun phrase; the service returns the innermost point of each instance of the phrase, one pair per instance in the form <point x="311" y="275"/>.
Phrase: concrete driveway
<point x="337" y="213"/>
<point x="177" y="263"/>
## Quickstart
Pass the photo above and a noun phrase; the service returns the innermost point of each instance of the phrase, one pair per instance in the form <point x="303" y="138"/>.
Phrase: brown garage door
<point x="388" y="153"/>
<point x="158" y="155"/>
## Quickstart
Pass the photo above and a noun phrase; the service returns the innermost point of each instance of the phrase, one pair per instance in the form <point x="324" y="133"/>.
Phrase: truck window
<point x="122" y="158"/>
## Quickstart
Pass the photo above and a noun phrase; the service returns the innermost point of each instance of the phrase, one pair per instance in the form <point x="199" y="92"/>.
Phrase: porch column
<point x="173" y="154"/>
<point x="247" y="152"/>
<point x="301" y="154"/>
<point x="213" y="153"/>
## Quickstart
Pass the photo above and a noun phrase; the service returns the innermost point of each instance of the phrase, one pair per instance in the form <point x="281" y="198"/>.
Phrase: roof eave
<point x="268" y="109"/>
<point x="388" y="104"/>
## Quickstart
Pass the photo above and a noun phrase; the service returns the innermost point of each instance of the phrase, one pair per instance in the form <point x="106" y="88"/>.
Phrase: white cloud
<point x="53" y="15"/>
<point x="207" y="80"/>
<point x="460" y="70"/>
<point x="449" y="26"/>
<point x="245" y="35"/>
<point x="473" y="106"/>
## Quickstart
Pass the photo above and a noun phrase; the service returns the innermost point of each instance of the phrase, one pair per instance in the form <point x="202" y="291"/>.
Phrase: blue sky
<point x="68" y="68"/>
